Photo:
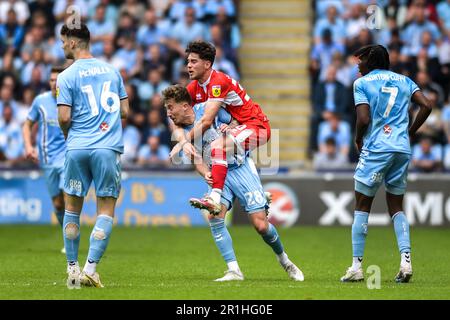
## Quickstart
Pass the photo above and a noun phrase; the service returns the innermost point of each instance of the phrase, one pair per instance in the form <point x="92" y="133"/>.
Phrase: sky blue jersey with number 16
<point x="388" y="94"/>
<point x="93" y="89"/>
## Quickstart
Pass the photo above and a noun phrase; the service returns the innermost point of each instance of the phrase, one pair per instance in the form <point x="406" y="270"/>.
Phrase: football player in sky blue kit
<point x="50" y="141"/>
<point x="242" y="182"/>
<point x="91" y="100"/>
<point x="383" y="134"/>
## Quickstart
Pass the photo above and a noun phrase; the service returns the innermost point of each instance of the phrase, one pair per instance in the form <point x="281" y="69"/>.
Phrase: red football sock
<point x="219" y="168"/>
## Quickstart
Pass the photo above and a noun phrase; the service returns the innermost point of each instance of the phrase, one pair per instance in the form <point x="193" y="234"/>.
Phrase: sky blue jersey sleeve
<point x="413" y="86"/>
<point x="63" y="91"/>
<point x="122" y="91"/>
<point x="358" y="93"/>
<point x="33" y="114"/>
<point x="223" y="117"/>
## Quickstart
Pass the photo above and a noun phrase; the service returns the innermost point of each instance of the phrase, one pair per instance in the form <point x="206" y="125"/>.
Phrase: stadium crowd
<point x="417" y="35"/>
<point x="144" y="40"/>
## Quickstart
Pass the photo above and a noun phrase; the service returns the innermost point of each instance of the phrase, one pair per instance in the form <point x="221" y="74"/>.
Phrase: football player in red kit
<point x="220" y="91"/>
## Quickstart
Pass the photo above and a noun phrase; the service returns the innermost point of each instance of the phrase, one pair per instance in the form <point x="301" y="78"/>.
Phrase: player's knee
<point x="71" y="231"/>
<point x="261" y="226"/>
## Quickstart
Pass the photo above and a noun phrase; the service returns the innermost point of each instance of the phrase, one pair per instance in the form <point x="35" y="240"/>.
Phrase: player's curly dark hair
<point x="205" y="50"/>
<point x="81" y="32"/>
<point x="178" y="93"/>
<point x="377" y="56"/>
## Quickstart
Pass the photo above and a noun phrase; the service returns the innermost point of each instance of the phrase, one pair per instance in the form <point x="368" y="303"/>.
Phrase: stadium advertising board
<point x="327" y="200"/>
<point x="143" y="201"/>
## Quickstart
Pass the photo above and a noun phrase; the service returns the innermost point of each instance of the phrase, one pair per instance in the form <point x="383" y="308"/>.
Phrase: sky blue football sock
<point x="222" y="238"/>
<point x="273" y="240"/>
<point x="401" y="227"/>
<point x="359" y="232"/>
<point x="100" y="237"/>
<point x="60" y="216"/>
<point x="71" y="234"/>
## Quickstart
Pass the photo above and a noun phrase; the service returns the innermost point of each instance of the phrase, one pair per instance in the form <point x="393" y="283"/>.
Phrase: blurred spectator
<point x="364" y="38"/>
<point x="447" y="157"/>
<point x="130" y="56"/>
<point x="126" y="28"/>
<point x="131" y="139"/>
<point x="101" y="30"/>
<point x="187" y="30"/>
<point x="443" y="9"/>
<point x="337" y="129"/>
<point x="330" y="97"/>
<point x="322" y="54"/>
<point x="356" y="21"/>
<point x="42" y="7"/>
<point x="7" y="96"/>
<point x="135" y="8"/>
<point x="38" y="66"/>
<point x="176" y="9"/>
<point x="153" y="84"/>
<point x="427" y="157"/>
<point x="223" y="64"/>
<point x="153" y="59"/>
<point x="395" y="10"/>
<point x="11" y="142"/>
<point x="64" y="8"/>
<point x="20" y="8"/>
<point x="229" y="29"/>
<point x="153" y="153"/>
<point x="432" y="127"/>
<point x="330" y="158"/>
<point x="156" y="127"/>
<point x="11" y="32"/>
<point x="152" y="33"/>
<point x="35" y="38"/>
<point x="111" y="12"/>
<point x="333" y="23"/>
<point x="427" y="86"/>
<point x="412" y="35"/>
<point x="212" y="8"/>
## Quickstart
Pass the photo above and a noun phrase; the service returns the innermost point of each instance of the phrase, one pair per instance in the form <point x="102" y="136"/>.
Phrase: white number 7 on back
<point x="393" y="91"/>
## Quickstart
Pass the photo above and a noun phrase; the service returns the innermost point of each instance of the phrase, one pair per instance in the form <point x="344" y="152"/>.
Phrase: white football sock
<point x="90" y="267"/>
<point x="406" y="259"/>
<point x="357" y="263"/>
<point x="216" y="194"/>
<point x="233" y="265"/>
<point x="283" y="258"/>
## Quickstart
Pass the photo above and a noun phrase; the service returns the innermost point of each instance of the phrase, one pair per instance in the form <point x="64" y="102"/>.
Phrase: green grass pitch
<point x="180" y="263"/>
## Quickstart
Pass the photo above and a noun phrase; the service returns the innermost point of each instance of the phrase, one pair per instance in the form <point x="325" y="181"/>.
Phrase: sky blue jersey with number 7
<point x="388" y="94"/>
<point x="93" y="89"/>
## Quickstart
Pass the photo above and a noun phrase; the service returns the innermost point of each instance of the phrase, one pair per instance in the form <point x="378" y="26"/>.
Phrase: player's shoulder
<point x="199" y="108"/>
<point x="67" y="73"/>
<point x="192" y="85"/>
<point x="218" y="77"/>
<point x="43" y="96"/>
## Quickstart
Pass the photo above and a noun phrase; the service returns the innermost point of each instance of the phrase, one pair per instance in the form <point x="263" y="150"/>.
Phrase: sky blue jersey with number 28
<point x="93" y="89"/>
<point x="388" y="94"/>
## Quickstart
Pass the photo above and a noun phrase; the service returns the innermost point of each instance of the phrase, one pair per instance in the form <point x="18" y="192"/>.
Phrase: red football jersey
<point x="221" y="87"/>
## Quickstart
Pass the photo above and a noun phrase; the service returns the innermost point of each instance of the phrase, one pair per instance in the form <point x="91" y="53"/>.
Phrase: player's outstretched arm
<point x="30" y="151"/>
<point x="425" y="109"/>
<point x="124" y="108"/>
<point x="362" y="123"/>
<point x="64" y="118"/>
<point x="211" y="110"/>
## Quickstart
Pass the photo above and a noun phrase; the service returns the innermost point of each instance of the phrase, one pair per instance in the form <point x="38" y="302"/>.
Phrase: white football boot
<point x="293" y="271"/>
<point x="231" y="275"/>
<point x="404" y="274"/>
<point x="73" y="277"/>
<point x="91" y="280"/>
<point x="353" y="276"/>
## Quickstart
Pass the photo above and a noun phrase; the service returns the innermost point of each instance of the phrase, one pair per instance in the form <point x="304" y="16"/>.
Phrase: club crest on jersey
<point x="387" y="130"/>
<point x="104" y="127"/>
<point x="216" y="91"/>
